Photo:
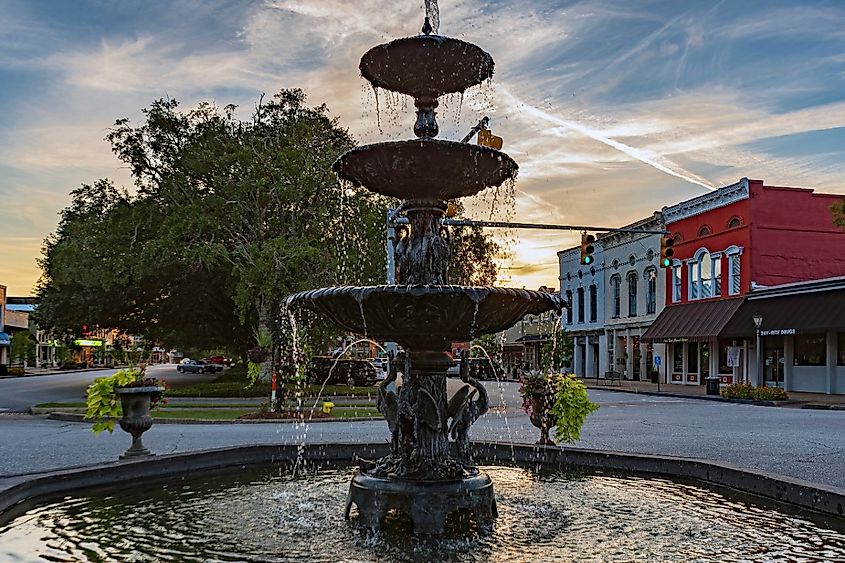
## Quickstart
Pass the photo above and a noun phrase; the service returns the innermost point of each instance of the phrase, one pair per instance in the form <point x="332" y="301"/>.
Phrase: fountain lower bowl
<point x="425" y="169"/>
<point x="425" y="316"/>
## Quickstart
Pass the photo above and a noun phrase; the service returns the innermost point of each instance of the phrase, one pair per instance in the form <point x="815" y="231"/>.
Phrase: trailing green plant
<point x="567" y="400"/>
<point x="253" y="372"/>
<point x="103" y="404"/>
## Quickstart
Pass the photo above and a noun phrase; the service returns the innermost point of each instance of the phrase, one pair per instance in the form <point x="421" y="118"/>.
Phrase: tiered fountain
<point x="429" y="472"/>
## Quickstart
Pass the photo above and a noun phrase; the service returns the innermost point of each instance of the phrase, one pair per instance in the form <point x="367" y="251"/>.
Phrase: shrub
<point x="749" y="392"/>
<point x="770" y="394"/>
<point x="738" y="391"/>
<point x="569" y="405"/>
<point x="16" y="370"/>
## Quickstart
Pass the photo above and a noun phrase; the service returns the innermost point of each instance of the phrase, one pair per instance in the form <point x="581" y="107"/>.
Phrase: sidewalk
<point x="35" y="372"/>
<point x="796" y="399"/>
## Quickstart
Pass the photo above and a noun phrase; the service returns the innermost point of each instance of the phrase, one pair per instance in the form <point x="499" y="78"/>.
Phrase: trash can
<point x="712" y="385"/>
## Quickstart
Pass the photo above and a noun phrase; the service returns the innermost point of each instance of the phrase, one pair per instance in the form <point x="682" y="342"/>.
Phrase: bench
<point x="611" y="376"/>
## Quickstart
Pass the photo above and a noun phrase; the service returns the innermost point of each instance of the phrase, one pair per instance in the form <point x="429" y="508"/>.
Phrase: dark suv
<point x="352" y="372"/>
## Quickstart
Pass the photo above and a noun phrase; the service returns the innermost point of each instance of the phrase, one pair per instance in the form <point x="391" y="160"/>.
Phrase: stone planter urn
<point x="540" y="417"/>
<point x="136" y="416"/>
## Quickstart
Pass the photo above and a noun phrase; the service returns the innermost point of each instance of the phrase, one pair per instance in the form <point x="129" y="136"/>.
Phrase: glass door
<point x="773" y="360"/>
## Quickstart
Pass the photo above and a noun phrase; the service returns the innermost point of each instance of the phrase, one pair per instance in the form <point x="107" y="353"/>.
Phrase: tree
<point x="230" y="217"/>
<point x="557" y="351"/>
<point x="23" y="347"/>
<point x="473" y="252"/>
<point x="838" y="212"/>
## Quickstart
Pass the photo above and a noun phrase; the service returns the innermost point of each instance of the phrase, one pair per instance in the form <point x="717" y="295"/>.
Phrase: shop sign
<point x="5" y="339"/>
<point x="86" y="342"/>
<point x="778" y="332"/>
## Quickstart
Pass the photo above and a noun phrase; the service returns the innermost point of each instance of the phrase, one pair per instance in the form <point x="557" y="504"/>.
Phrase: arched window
<point x="705" y="275"/>
<point x="632" y="294"/>
<point x="615" y="283"/>
<point x="735" y="222"/>
<point x="677" y="280"/>
<point x="703" y="231"/>
<point x="569" y="306"/>
<point x="594" y="305"/>
<point x="580" y="304"/>
<point x="651" y="291"/>
<point x="734" y="270"/>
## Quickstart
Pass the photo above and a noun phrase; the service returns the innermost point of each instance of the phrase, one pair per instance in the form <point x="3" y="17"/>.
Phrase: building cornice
<point x="718" y="198"/>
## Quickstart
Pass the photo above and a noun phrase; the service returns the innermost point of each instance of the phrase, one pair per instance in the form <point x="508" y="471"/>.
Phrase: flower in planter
<point x="564" y="401"/>
<point x="103" y="403"/>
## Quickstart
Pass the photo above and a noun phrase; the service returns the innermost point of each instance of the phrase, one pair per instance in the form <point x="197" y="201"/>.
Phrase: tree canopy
<point x="227" y="218"/>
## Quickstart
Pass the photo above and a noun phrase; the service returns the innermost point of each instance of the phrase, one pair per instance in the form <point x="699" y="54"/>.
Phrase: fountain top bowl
<point x="425" y="169"/>
<point x="426" y="66"/>
<point x="425" y="316"/>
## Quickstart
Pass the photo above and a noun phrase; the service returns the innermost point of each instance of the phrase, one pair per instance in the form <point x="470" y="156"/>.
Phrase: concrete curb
<point x="63" y="372"/>
<point x="18" y="494"/>
<point x="699" y="397"/>
<point x="73" y="417"/>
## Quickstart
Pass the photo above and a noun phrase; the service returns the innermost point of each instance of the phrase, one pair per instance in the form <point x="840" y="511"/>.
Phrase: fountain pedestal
<point x="428" y="503"/>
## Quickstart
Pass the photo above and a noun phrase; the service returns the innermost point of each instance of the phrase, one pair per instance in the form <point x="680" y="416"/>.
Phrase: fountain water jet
<point x="429" y="472"/>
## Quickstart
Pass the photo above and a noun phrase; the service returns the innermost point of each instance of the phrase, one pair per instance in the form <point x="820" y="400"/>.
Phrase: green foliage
<point x="253" y="372"/>
<point x="473" y="254"/>
<point x="749" y="392"/>
<point x="567" y="402"/>
<point x="556" y="353"/>
<point x="571" y="407"/>
<point x="490" y="344"/>
<point x="103" y="404"/>
<point x="23" y="347"/>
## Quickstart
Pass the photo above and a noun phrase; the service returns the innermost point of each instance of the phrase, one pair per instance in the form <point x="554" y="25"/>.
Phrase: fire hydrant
<point x="327" y="407"/>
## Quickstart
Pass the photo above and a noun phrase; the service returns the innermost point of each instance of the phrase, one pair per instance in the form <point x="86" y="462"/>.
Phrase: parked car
<point x="197" y="366"/>
<point x="479" y="368"/>
<point x="218" y="361"/>
<point x="352" y="372"/>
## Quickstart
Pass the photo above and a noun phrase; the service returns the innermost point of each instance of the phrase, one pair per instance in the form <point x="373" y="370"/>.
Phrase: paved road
<point x="805" y="444"/>
<point x="18" y="394"/>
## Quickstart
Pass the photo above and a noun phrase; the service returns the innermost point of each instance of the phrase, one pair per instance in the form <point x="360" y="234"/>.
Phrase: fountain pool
<point x="268" y="515"/>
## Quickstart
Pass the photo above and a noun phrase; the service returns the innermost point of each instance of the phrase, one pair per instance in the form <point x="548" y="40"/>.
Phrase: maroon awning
<point x="695" y="322"/>
<point x="805" y="312"/>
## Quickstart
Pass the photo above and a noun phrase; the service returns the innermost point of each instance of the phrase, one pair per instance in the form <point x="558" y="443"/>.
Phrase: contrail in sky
<point x="648" y="157"/>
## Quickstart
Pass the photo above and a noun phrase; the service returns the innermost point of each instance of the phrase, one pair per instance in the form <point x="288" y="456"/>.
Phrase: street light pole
<point x="758" y="322"/>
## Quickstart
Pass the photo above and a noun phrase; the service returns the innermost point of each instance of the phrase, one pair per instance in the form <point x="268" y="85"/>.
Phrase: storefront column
<point x="603" y="356"/>
<point x="629" y="355"/>
<point x="685" y="363"/>
<point x="579" y="367"/>
<point x="788" y="357"/>
<point x="832" y="343"/>
<point x="645" y="369"/>
<point x="589" y="369"/>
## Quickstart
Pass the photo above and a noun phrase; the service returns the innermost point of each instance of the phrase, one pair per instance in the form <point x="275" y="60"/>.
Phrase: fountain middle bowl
<point x="425" y="169"/>
<point x="425" y="316"/>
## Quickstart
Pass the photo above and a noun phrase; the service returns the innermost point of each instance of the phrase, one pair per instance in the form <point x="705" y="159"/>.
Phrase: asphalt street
<point x="18" y="394"/>
<point x="804" y="444"/>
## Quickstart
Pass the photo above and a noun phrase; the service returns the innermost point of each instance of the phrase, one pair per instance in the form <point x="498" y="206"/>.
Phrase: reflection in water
<point x="273" y="517"/>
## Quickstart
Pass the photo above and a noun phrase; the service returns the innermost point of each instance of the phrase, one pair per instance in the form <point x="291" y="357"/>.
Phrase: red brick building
<point x="728" y="242"/>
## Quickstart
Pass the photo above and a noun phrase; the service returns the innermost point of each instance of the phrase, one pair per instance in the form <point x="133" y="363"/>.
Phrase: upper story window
<point x="705" y="275"/>
<point x="580" y="304"/>
<point x="632" y="294"/>
<point x="734" y="222"/>
<point x="615" y="283"/>
<point x="676" y="281"/>
<point x="734" y="270"/>
<point x="704" y="230"/>
<point x="569" y="306"/>
<point x="651" y="291"/>
<point x="594" y="304"/>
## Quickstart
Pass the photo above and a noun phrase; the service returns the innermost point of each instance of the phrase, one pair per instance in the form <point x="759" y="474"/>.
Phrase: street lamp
<point x="758" y="321"/>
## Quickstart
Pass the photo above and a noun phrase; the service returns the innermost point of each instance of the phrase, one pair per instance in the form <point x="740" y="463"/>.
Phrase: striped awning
<point x="693" y="322"/>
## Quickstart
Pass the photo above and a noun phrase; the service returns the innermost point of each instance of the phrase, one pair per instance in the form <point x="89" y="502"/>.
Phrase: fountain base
<point x="428" y="503"/>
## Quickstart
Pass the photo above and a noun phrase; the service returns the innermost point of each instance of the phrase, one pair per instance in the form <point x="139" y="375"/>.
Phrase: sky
<point x="613" y="109"/>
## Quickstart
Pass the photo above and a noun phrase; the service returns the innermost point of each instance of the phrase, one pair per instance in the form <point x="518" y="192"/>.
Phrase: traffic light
<point x="666" y="251"/>
<point x="587" y="249"/>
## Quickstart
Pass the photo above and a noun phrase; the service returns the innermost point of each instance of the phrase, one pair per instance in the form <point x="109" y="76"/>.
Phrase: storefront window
<point x="692" y="359"/>
<point x="841" y="355"/>
<point x="678" y="357"/>
<point x="810" y="350"/>
<point x="723" y="357"/>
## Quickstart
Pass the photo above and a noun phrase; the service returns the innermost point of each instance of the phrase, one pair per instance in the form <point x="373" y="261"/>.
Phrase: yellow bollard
<point x="327" y="407"/>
